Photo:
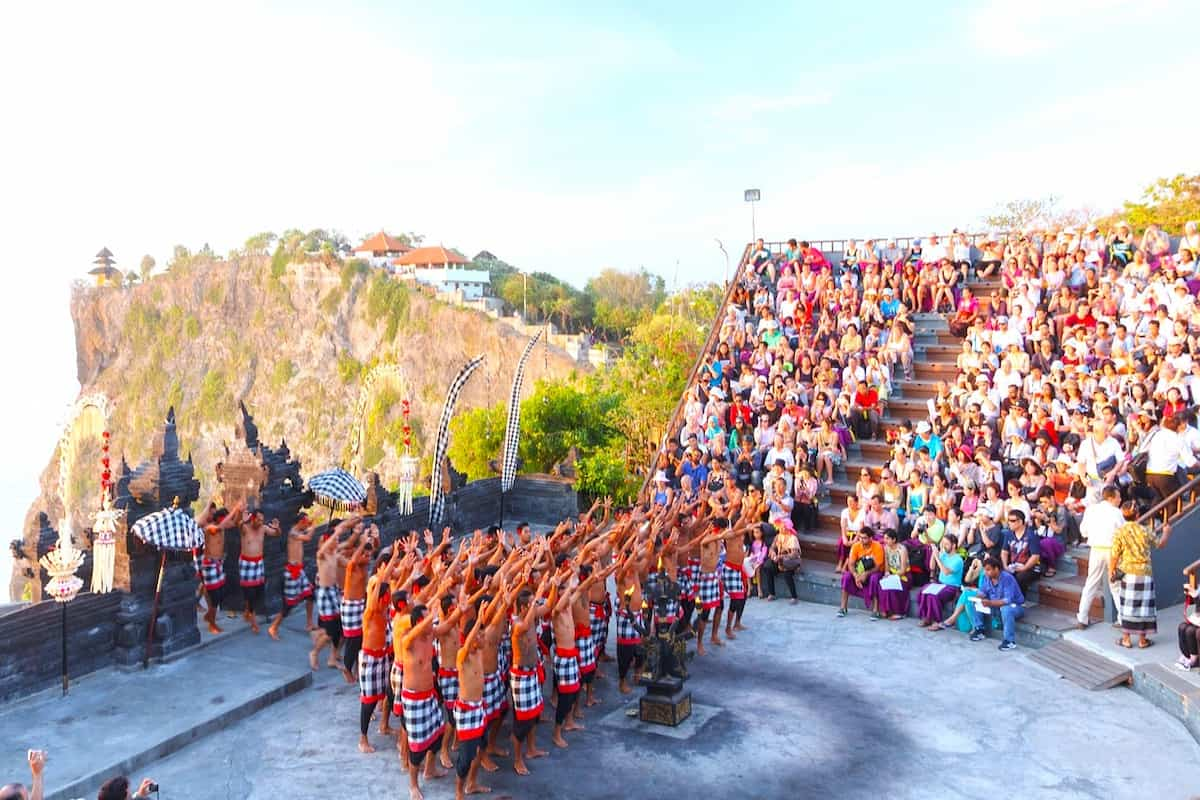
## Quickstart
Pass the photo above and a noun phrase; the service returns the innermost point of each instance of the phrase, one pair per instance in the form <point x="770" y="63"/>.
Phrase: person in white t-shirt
<point x="1103" y="460"/>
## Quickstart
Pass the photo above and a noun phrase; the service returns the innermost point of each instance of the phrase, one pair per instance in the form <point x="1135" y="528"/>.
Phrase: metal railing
<point x="1172" y="507"/>
<point x="710" y="344"/>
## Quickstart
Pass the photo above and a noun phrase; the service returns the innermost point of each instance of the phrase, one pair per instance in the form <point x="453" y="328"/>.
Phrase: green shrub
<point x="191" y="327"/>
<point x="215" y="295"/>
<point x="348" y="367"/>
<point x="351" y="269"/>
<point x="284" y="371"/>
<point x="211" y="402"/>
<point x="330" y="302"/>
<point x="279" y="262"/>
<point x="387" y="299"/>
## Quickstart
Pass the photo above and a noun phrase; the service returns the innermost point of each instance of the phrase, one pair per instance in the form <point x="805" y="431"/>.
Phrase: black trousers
<point x="1189" y="639"/>
<point x="1163" y="485"/>
<point x="769" y="571"/>
<point x="626" y="656"/>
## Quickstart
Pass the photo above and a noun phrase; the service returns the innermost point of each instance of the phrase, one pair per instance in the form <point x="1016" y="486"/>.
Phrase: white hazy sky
<point x="562" y="140"/>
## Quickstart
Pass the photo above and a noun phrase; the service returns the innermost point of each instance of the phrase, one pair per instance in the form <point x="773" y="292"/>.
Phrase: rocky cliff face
<point x="295" y="343"/>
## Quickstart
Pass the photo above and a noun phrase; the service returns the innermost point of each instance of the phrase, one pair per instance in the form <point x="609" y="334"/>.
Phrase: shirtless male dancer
<point x="354" y="597"/>
<point x="708" y="596"/>
<point x="423" y="719"/>
<point x="329" y="599"/>
<point x="374" y="657"/>
<point x="733" y="578"/>
<point x="526" y="682"/>
<point x="295" y="582"/>
<point x="215" y="521"/>
<point x="470" y="716"/>
<point x="252" y="576"/>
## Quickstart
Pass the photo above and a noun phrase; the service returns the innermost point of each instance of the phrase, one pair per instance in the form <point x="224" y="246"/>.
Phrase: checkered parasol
<point x="337" y="490"/>
<point x="169" y="529"/>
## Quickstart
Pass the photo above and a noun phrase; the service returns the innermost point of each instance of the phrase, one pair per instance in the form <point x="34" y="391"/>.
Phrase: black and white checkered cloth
<point x="598" y="620"/>
<point x="512" y="432"/>
<point x="566" y="669"/>
<point x="437" y="502"/>
<point x="447" y="680"/>
<point x="495" y="695"/>
<point x="352" y="616"/>
<point x="470" y="720"/>
<point x="212" y="572"/>
<point x="251" y="571"/>
<point x="734" y="581"/>
<point x="708" y="593"/>
<point x="1137" y="599"/>
<point x="396" y="676"/>
<point x="373" y="667"/>
<point x="329" y="601"/>
<point x="526" y="693"/>
<point x="337" y="489"/>
<point x="296" y="586"/>
<point x="169" y="529"/>
<point x="422" y="718"/>
<point x="627" y="631"/>
<point x="587" y="649"/>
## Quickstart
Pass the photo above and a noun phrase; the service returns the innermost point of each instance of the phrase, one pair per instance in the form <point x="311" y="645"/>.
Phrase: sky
<point x="561" y="139"/>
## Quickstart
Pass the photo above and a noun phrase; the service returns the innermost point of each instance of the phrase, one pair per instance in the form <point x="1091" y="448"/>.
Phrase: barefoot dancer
<point x="470" y="717"/>
<point x="733" y="579"/>
<point x="251" y="574"/>
<point x="566" y="659"/>
<point x="354" y="600"/>
<point x="423" y="719"/>
<point x="215" y="522"/>
<point x="526" y="684"/>
<point x="709" y="596"/>
<point x="374" y="657"/>
<point x="295" y="582"/>
<point x="329" y="598"/>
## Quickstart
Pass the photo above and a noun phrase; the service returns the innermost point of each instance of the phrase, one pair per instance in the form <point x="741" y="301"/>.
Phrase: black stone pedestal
<point x="666" y="702"/>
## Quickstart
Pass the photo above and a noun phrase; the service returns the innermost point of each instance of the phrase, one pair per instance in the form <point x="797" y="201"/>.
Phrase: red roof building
<point x="381" y="245"/>
<point x="431" y="257"/>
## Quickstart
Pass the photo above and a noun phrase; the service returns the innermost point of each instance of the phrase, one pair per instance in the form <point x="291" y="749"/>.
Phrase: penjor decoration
<point x="106" y="523"/>
<point x="512" y="432"/>
<point x="61" y="563"/>
<point x="408" y="464"/>
<point x="437" y="501"/>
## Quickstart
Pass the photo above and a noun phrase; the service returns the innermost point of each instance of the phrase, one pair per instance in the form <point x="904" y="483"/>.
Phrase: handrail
<point x="1162" y="509"/>
<point x="709" y="346"/>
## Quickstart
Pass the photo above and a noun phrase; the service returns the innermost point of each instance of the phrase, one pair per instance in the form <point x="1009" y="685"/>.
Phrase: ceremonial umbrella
<point x="168" y="529"/>
<point x="337" y="490"/>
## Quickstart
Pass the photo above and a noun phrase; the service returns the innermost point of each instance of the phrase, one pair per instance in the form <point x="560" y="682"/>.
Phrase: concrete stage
<point x="802" y="705"/>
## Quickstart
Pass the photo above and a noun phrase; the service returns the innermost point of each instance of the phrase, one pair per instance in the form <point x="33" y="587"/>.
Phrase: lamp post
<point x="752" y="196"/>
<point x="61" y="563"/>
<point x="721" y="245"/>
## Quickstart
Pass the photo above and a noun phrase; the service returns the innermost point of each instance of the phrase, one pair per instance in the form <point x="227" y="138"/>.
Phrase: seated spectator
<point x="118" y="789"/>
<point x="891" y="591"/>
<point x="999" y="596"/>
<point x="1021" y="552"/>
<point x="783" y="559"/>
<point x="961" y="616"/>
<point x="17" y="791"/>
<point x="1189" y="629"/>
<point x="861" y="579"/>
<point x="852" y="521"/>
<point x="947" y="571"/>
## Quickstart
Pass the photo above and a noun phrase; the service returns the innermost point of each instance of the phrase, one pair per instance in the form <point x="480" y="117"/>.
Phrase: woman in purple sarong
<point x="892" y="602"/>
<point x="948" y="582"/>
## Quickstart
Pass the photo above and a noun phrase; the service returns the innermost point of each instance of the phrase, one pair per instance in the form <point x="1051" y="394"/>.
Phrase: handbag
<point x="1137" y="467"/>
<point x="789" y="561"/>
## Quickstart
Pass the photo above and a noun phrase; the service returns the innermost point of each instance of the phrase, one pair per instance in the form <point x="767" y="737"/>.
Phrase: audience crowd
<point x="1075" y="389"/>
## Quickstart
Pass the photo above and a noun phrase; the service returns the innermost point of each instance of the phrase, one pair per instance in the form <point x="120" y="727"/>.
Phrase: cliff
<point x="295" y="343"/>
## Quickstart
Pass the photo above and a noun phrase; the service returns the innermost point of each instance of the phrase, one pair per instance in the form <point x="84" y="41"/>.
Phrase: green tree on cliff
<point x="146" y="267"/>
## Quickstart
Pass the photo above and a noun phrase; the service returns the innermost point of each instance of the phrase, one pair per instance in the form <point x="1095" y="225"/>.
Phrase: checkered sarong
<point x="447" y="680"/>
<point x="352" y="616"/>
<point x="599" y="624"/>
<point x="212" y="572"/>
<point x="566" y="669"/>
<point x="423" y="718"/>
<point x="470" y="720"/>
<point x="526" y="693"/>
<point x="709" y="594"/>
<point x="587" y="649"/>
<point x="328" y="600"/>
<point x="1138" y="609"/>
<point x="396" y="676"/>
<point x="373" y="668"/>
<point x="495" y="696"/>
<point x="627" y="632"/>
<point x="251" y="571"/>
<point x="295" y="584"/>
<point x="734" y="581"/>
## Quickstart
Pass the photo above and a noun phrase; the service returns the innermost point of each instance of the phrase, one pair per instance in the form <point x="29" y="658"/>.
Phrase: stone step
<point x="917" y="388"/>
<point x="935" y="370"/>
<point x="913" y="408"/>
<point x="941" y="353"/>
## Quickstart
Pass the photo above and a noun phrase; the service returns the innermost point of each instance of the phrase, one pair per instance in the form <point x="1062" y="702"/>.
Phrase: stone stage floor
<point x="801" y="705"/>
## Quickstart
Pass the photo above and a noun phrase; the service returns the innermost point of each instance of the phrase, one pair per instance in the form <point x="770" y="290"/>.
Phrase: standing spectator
<point x="1001" y="596"/>
<point x="17" y="791"/>
<point x="1167" y="452"/>
<point x="1130" y="570"/>
<point x="1099" y="525"/>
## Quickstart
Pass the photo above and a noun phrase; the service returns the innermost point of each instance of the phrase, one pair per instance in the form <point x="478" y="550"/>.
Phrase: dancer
<point x="252" y="575"/>
<point x="329" y="598"/>
<point x="215" y="521"/>
<point x="295" y="582"/>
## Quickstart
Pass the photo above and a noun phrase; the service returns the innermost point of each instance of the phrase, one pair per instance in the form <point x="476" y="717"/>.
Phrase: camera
<point x="152" y="788"/>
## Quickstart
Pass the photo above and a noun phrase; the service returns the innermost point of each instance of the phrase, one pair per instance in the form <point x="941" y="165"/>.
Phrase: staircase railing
<point x="710" y="344"/>
<point x="1184" y="545"/>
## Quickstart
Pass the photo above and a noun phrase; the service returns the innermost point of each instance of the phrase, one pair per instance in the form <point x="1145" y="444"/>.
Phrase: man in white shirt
<point x="1166" y="452"/>
<point x="781" y="452"/>
<point x="1103" y="459"/>
<point x="1100" y="522"/>
<point x="934" y="250"/>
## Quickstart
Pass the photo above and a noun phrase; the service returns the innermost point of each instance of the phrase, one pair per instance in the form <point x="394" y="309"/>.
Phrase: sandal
<point x="937" y="626"/>
<point x="841" y="612"/>
<point x="1050" y="573"/>
<point x="1144" y="643"/>
<point x="1128" y="645"/>
<point x="876" y="615"/>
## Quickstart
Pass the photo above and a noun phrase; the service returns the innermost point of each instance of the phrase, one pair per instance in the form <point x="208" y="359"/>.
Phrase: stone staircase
<point x="935" y="353"/>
